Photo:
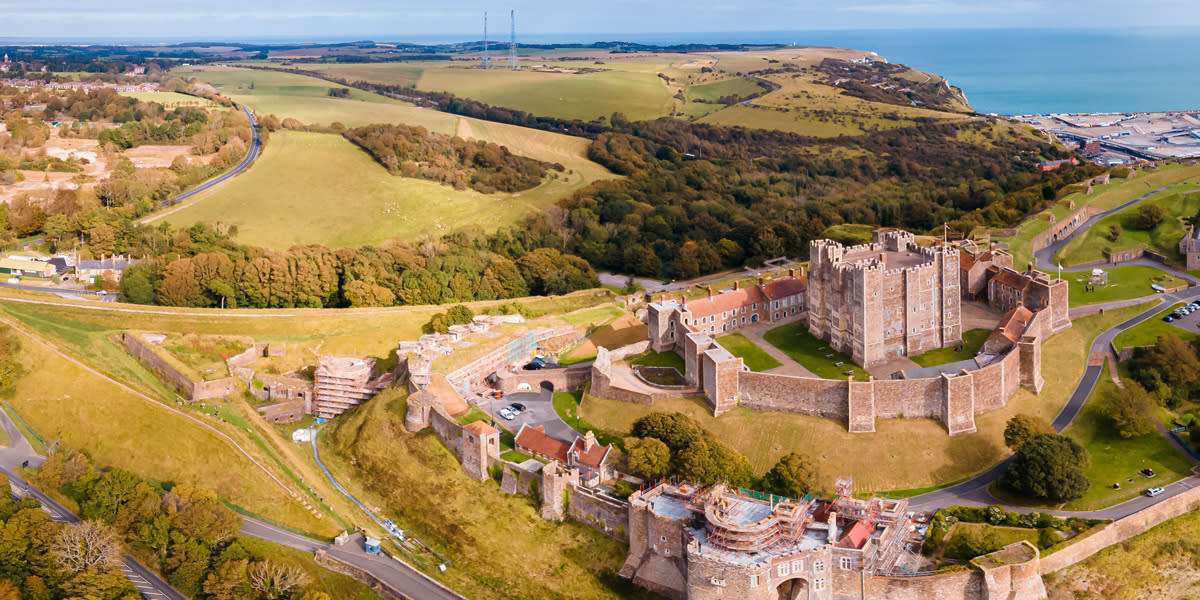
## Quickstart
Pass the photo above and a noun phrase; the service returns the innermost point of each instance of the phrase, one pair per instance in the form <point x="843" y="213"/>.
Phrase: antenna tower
<point x="512" y="41"/>
<point x="485" y="62"/>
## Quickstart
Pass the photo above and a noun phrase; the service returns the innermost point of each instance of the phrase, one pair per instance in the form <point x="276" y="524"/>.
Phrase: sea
<point x="1002" y="71"/>
<point x="1005" y="71"/>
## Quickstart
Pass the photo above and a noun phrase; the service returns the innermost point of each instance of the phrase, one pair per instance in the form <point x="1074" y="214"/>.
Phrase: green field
<point x="171" y="100"/>
<point x="312" y="188"/>
<point x="917" y="452"/>
<point x="1104" y="197"/>
<point x="972" y="340"/>
<point x="1114" y="459"/>
<point x="813" y="353"/>
<point x="661" y="359"/>
<point x="754" y="357"/>
<point x="1164" y="239"/>
<point x="1124" y="283"/>
<point x="1147" y="332"/>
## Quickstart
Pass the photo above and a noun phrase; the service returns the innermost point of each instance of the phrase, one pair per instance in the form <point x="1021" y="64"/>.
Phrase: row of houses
<point x="109" y="269"/>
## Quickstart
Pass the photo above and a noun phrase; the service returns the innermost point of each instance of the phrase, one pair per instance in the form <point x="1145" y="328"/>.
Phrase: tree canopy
<point x="1023" y="427"/>
<point x="1049" y="467"/>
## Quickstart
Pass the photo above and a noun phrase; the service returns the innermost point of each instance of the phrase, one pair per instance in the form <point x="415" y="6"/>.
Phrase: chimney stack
<point x="760" y="280"/>
<point x="735" y="286"/>
<point x="683" y="300"/>
<point x="792" y="273"/>
<point x="833" y="530"/>
<point x="708" y="288"/>
<point x="589" y="441"/>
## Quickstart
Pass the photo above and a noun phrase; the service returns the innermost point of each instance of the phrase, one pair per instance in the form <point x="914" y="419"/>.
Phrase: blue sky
<point x="404" y="19"/>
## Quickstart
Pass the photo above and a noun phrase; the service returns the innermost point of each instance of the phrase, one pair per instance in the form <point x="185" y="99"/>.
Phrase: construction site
<point x="343" y="382"/>
<point x="712" y="542"/>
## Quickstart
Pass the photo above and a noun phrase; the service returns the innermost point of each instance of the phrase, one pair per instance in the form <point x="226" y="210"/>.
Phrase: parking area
<point x="1190" y="322"/>
<point x="539" y="410"/>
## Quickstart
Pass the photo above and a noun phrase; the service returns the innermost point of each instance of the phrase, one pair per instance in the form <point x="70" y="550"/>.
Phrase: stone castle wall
<point x="1123" y="529"/>
<point x="568" y="379"/>
<point x="1063" y="228"/>
<point x="606" y="515"/>
<point x="192" y="390"/>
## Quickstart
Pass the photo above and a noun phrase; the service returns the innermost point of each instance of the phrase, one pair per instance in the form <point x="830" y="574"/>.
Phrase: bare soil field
<point x="144" y="157"/>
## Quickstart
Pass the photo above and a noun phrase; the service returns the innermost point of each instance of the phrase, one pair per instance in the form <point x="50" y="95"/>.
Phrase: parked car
<point x="1154" y="491"/>
<point x="1168" y="318"/>
<point x="535" y="364"/>
<point x="517" y="406"/>
<point x="507" y="414"/>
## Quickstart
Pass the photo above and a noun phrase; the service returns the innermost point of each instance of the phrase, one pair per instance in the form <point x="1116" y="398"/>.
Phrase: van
<point x="1154" y="491"/>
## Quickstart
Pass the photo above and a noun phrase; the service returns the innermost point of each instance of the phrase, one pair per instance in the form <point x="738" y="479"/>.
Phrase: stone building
<point x="696" y="543"/>
<point x="692" y="543"/>
<point x="1189" y="247"/>
<point x="585" y="454"/>
<point x="1035" y="290"/>
<point x="883" y="300"/>
<point x="974" y="265"/>
<point x="343" y="382"/>
<point x="729" y="310"/>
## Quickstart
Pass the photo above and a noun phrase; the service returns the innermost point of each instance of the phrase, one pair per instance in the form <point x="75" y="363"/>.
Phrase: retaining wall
<point x="1122" y="529"/>
<point x="606" y="515"/>
<point x="192" y="390"/>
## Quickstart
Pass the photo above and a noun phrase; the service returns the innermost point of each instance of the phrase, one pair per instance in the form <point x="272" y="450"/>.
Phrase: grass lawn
<point x="917" y="452"/>
<point x="661" y="359"/>
<point x="419" y="484"/>
<point x="1159" y="564"/>
<point x="33" y="440"/>
<point x="171" y="100"/>
<point x="515" y="457"/>
<point x="1147" y="332"/>
<point x="972" y="340"/>
<point x="975" y="532"/>
<point x="312" y="188"/>
<point x="1164" y="239"/>
<point x="813" y="353"/>
<point x="566" y="406"/>
<point x="754" y="357"/>
<point x="1132" y="281"/>
<point x="1106" y="197"/>
<point x="1115" y="459"/>
<point x="71" y="406"/>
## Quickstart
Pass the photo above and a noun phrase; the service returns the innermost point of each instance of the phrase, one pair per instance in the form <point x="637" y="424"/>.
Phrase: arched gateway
<point x="795" y="588"/>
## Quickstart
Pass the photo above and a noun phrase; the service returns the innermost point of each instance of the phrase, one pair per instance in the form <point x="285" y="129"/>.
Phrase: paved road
<point x="974" y="492"/>
<point x="149" y="585"/>
<point x="539" y="407"/>
<point x="399" y="575"/>
<point x="1044" y="258"/>
<point x="61" y="291"/>
<point x="251" y="155"/>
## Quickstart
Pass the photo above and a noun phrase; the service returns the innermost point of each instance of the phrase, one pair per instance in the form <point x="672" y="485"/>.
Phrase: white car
<point x="507" y="413"/>
<point x="1154" y="491"/>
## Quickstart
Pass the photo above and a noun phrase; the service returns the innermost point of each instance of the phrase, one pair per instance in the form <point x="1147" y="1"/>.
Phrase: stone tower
<point x="480" y="448"/>
<point x="556" y="481"/>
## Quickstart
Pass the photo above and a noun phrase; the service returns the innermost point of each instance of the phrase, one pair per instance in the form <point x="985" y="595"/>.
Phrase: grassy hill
<point x="586" y="85"/>
<point x="313" y="188"/>
<point x="1179" y="201"/>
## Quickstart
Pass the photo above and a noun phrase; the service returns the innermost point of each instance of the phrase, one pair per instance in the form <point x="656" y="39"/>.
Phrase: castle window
<point x="797" y="566"/>
<point x="819" y="584"/>
<point x="782" y="570"/>
<point x="818" y="566"/>
<point x="755" y="305"/>
<point x="776" y="304"/>
<point x="662" y="538"/>
<point x="845" y="563"/>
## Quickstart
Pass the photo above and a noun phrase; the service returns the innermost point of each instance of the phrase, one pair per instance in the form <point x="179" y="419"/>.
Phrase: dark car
<point x="517" y="406"/>
<point x="1167" y="318"/>
<point x="535" y="364"/>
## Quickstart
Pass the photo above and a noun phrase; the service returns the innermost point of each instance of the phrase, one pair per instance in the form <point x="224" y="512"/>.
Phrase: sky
<point x="399" y="20"/>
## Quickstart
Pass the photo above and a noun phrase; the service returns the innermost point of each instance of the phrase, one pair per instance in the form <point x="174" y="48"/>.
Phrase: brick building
<point x="687" y="542"/>
<point x="886" y="299"/>
<point x="585" y="453"/>
<point x="343" y="382"/>
<point x="732" y="309"/>
<point x="973" y="268"/>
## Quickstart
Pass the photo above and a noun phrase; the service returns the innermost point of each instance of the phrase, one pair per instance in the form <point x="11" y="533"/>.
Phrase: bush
<point x="1049" y="467"/>
<point x="1047" y="537"/>
<point x="1148" y="217"/>
<point x="623" y="489"/>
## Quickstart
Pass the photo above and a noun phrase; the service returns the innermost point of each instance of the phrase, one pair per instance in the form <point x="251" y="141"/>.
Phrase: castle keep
<point x="887" y="299"/>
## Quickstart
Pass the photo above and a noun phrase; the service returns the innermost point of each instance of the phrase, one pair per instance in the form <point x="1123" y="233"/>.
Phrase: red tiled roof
<point x="480" y="428"/>
<point x="857" y="536"/>
<point x="966" y="260"/>
<point x="722" y="302"/>
<point x="1011" y="279"/>
<point x="784" y="287"/>
<point x="535" y="440"/>
<point x="1011" y="326"/>
<point x="592" y="458"/>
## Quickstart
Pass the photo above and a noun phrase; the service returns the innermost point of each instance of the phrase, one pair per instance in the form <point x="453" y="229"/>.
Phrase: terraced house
<point x="728" y="310"/>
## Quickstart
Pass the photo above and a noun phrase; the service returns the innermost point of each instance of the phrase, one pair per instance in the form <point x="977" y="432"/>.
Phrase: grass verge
<point x="972" y="341"/>
<point x="755" y="358"/>
<point x="1147" y="332"/>
<point x="813" y="353"/>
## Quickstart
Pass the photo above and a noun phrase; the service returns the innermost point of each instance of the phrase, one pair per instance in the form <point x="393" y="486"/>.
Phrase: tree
<point x="793" y="476"/>
<point x="9" y="590"/>
<point x="676" y="430"/>
<point x="1021" y="428"/>
<point x="87" y="545"/>
<point x="1131" y="410"/>
<point x="1114" y="232"/>
<point x="1049" y="467"/>
<point x="229" y="582"/>
<point x="648" y="457"/>
<point x="273" y="581"/>
<point x="1148" y="217"/>
<point x="460" y="314"/>
<point x="315" y="595"/>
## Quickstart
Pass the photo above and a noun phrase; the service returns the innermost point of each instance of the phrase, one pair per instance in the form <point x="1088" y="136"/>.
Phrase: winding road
<point x="251" y="155"/>
<point x="974" y="492"/>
